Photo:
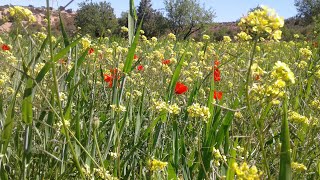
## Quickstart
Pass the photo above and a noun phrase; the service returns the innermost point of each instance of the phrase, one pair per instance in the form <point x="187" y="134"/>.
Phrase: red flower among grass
<point x="5" y="47"/>
<point x="217" y="95"/>
<point x="216" y="75"/>
<point x="180" y="88"/>
<point x="216" y="64"/>
<point x="109" y="77"/>
<point x="140" y="68"/>
<point x="135" y="57"/>
<point x="91" y="50"/>
<point x="166" y="62"/>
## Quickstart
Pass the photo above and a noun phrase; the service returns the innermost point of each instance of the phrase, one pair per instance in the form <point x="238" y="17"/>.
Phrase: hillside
<point x="40" y="14"/>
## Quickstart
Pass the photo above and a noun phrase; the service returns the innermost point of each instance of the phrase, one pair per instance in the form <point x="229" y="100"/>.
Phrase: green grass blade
<point x="175" y="77"/>
<point x="285" y="159"/>
<point x="132" y="49"/>
<point x="63" y="31"/>
<point x="65" y="50"/>
<point x="77" y="65"/>
<point x="27" y="113"/>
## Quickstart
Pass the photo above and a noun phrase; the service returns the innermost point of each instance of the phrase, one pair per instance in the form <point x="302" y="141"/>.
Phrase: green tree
<point x="187" y="16"/>
<point x="307" y="9"/>
<point x="96" y="18"/>
<point x="154" y="23"/>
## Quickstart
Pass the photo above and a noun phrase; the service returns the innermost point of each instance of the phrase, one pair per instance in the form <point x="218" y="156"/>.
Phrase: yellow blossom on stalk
<point x="171" y="36"/>
<point x="86" y="43"/>
<point x="298" y="167"/>
<point x="244" y="172"/>
<point x="305" y="53"/>
<point x="195" y="110"/>
<point x="156" y="165"/>
<point x="205" y="37"/>
<point x="118" y="108"/>
<point x="21" y="14"/>
<point x="302" y="64"/>
<point x="218" y="157"/>
<point x="244" y="36"/>
<point x="263" y="22"/>
<point x="226" y="39"/>
<point x="282" y="71"/>
<point x="296" y="117"/>
<point x="256" y="70"/>
<point x="124" y="29"/>
<point x="317" y="74"/>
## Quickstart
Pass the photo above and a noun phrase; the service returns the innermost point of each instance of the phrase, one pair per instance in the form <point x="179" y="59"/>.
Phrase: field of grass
<point x="98" y="108"/>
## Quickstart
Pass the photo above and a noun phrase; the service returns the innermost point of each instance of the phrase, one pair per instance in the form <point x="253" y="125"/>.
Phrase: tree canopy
<point x="187" y="16"/>
<point x="308" y="9"/>
<point x="96" y="18"/>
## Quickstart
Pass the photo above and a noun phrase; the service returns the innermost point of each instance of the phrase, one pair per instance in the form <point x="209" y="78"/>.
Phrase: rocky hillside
<point x="40" y="14"/>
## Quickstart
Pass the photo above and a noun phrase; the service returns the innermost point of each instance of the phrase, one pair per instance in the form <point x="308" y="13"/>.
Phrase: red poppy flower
<point x="180" y="88"/>
<point x="166" y="62"/>
<point x="216" y="64"/>
<point x="257" y="77"/>
<point x="91" y="50"/>
<point x="140" y="68"/>
<point x="109" y="79"/>
<point x="216" y="75"/>
<point x="135" y="57"/>
<point x="5" y="47"/>
<point x="217" y="95"/>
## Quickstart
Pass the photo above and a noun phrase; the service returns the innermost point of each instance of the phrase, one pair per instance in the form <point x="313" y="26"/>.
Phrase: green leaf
<point x="63" y="31"/>
<point x="285" y="160"/>
<point x="132" y="49"/>
<point x="65" y="50"/>
<point x="27" y="113"/>
<point x="132" y="18"/>
<point x="171" y="173"/>
<point x="175" y="77"/>
<point x="77" y="65"/>
<point x="232" y="159"/>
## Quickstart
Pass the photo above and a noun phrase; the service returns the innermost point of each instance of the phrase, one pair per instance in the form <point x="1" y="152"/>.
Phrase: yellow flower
<point x="263" y="22"/>
<point x="298" y="167"/>
<point x="156" y="165"/>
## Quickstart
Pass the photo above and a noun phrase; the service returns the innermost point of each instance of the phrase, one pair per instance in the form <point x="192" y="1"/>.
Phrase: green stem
<point x="259" y="128"/>
<point x="56" y="91"/>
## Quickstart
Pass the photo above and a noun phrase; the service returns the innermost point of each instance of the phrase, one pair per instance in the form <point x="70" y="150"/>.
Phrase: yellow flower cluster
<point x="162" y="106"/>
<point x="305" y="53"/>
<point x="244" y="36"/>
<point x="302" y="64"/>
<point x="85" y="41"/>
<point x="156" y="165"/>
<point x="218" y="157"/>
<point x="244" y="172"/>
<point x="124" y="29"/>
<point x="298" y="167"/>
<point x="103" y="174"/>
<point x="257" y="70"/>
<point x="317" y="74"/>
<point x="298" y="118"/>
<point x="172" y="37"/>
<point x="315" y="103"/>
<point x="195" y="110"/>
<point x="21" y="14"/>
<point x="282" y="71"/>
<point x="118" y="108"/>
<point x="205" y="37"/>
<point x="226" y="39"/>
<point x="263" y="22"/>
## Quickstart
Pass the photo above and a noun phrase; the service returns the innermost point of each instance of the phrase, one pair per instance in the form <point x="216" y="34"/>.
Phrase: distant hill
<point x="40" y="14"/>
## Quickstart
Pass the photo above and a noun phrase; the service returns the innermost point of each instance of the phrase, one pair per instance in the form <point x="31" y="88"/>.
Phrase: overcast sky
<point x="226" y="10"/>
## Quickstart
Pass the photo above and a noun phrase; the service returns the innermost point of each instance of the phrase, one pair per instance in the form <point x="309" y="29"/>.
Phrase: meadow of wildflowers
<point x="84" y="108"/>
